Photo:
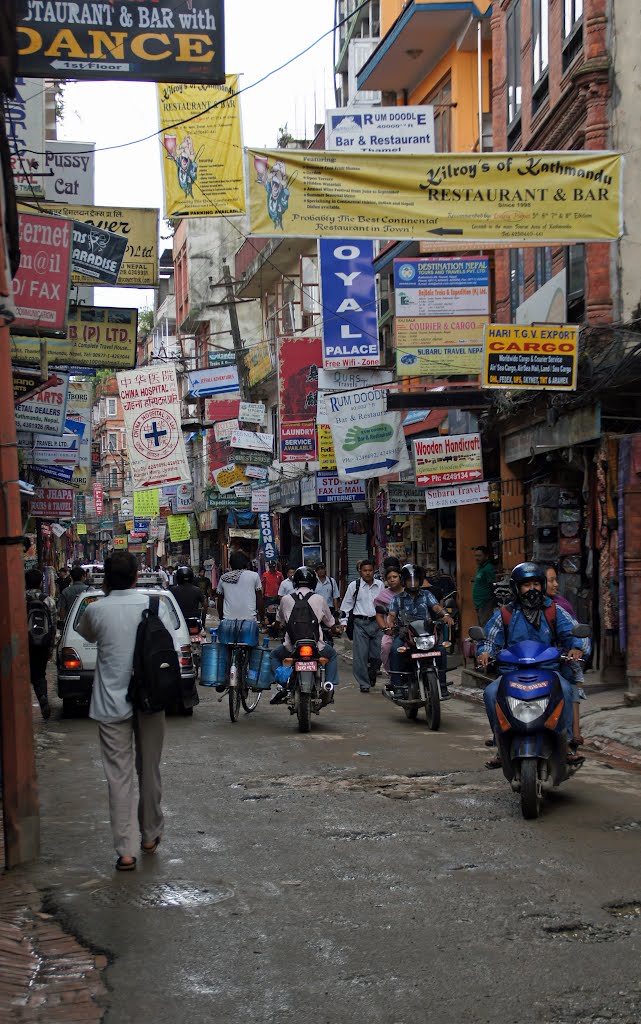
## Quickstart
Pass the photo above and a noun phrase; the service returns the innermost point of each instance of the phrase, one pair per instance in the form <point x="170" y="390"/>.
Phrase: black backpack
<point x="40" y="627"/>
<point x="155" y="680"/>
<point x="302" y="623"/>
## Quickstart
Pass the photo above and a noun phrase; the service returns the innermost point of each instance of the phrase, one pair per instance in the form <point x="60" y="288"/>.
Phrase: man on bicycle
<point x="239" y="594"/>
<point x="305" y="581"/>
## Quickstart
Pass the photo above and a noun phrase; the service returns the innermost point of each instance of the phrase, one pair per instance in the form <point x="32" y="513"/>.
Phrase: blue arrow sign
<point x="386" y="464"/>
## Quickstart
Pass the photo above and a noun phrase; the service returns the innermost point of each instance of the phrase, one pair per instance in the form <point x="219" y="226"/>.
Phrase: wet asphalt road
<point x="371" y="871"/>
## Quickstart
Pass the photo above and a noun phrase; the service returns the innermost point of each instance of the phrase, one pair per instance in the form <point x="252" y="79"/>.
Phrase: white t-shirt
<point x="286" y="587"/>
<point x="239" y="598"/>
<point x="328" y="588"/>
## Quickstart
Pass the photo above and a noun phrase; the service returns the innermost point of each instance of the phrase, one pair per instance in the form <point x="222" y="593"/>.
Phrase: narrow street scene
<point x="320" y="530"/>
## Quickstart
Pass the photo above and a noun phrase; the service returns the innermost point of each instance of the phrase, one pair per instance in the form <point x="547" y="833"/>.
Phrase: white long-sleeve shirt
<point x="365" y="599"/>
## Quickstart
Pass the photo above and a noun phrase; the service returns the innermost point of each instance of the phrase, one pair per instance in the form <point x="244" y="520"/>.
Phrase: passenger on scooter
<point x="414" y="602"/>
<point x="529" y="621"/>
<point x="305" y="581"/>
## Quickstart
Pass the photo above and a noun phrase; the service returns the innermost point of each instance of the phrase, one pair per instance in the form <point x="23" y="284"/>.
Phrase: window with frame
<point x="542" y="265"/>
<point x="540" y="40"/>
<point x="575" y="283"/>
<point x="112" y="407"/>
<point x="572" y="30"/>
<point x="112" y="442"/>
<point x="113" y="478"/>
<point x="513" y="52"/>
<point x="517" y="281"/>
<point x="441" y="100"/>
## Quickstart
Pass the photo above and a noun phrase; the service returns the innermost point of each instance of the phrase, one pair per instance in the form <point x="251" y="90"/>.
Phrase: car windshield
<point x="164" y="597"/>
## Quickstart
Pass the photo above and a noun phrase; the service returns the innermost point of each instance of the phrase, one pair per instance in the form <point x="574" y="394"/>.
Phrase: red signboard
<point x="41" y="286"/>
<point x="97" y="498"/>
<point x="52" y="503"/>
<point x="298" y="362"/>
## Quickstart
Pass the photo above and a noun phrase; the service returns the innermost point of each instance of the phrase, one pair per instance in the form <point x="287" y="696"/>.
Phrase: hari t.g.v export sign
<point x="530" y="357"/>
<point x="143" y="40"/>
<point x="455" y="459"/>
<point x="41" y="285"/>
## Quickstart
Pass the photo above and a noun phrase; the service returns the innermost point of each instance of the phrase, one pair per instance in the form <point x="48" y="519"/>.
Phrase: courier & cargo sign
<point x="456" y="459"/>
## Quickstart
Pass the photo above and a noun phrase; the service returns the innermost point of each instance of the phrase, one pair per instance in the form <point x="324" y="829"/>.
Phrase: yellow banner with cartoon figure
<point x="202" y="157"/>
<point x="572" y="196"/>
<point x="432" y="346"/>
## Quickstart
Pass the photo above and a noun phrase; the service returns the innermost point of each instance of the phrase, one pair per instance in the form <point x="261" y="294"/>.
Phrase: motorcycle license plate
<point x="306" y="666"/>
<point x="426" y="654"/>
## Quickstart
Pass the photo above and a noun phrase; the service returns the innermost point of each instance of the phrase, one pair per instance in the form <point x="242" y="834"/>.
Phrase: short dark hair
<point x="392" y="563"/>
<point x="365" y="561"/>
<point x="77" y="573"/>
<point x="320" y="565"/>
<point x="33" y="579"/>
<point x="238" y="560"/>
<point x="120" y="571"/>
<point x="482" y="547"/>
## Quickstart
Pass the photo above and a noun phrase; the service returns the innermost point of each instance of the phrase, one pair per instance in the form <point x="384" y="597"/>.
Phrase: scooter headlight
<point x="425" y="643"/>
<point x="527" y="710"/>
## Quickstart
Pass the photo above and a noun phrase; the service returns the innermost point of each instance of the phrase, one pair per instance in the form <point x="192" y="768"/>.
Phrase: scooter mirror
<point x="582" y="631"/>
<point x="476" y="633"/>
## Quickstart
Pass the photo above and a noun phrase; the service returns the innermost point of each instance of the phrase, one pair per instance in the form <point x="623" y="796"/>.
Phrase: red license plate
<point x="306" y="666"/>
<point x="426" y="654"/>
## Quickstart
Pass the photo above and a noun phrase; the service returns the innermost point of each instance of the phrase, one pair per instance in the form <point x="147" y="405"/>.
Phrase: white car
<point x="76" y="657"/>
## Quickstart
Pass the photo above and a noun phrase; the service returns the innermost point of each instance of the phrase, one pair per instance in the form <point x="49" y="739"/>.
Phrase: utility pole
<point x="235" y="333"/>
<point x="19" y="786"/>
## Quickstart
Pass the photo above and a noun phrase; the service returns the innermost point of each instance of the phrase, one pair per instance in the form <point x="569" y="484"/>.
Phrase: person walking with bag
<point x="358" y="616"/>
<point x="131" y="740"/>
<point x="41" y="633"/>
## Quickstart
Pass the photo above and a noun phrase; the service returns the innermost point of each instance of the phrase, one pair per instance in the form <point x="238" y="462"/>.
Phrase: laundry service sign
<point x="350" y="328"/>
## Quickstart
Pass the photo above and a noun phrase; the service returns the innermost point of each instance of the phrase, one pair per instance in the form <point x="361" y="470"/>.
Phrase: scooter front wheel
<point x="530" y="789"/>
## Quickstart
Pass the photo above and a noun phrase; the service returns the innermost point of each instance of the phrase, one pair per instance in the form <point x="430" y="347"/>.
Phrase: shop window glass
<point x="513" y="48"/>
<point x="517" y="281"/>
<point x="441" y="100"/>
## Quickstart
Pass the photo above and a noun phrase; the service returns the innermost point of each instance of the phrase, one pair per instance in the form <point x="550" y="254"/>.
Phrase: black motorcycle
<point x="420" y="687"/>
<point x="307" y="689"/>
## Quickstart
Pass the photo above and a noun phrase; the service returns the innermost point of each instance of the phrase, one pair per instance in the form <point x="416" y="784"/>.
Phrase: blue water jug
<point x="283" y="672"/>
<point x="265" y="676"/>
<point x="213" y="666"/>
<point x="253" y="669"/>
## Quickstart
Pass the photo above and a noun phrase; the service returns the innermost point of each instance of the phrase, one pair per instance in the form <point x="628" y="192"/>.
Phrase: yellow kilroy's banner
<point x="203" y="157"/>
<point x="543" y="357"/>
<point x="139" y="226"/>
<point x="494" y="197"/>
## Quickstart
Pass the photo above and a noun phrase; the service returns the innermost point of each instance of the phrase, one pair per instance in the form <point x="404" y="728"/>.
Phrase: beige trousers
<point x="133" y="817"/>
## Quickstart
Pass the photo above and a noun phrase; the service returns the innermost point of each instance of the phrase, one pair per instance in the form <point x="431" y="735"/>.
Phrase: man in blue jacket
<point x="532" y="616"/>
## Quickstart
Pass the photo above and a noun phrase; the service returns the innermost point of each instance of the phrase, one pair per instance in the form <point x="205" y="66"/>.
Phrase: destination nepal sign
<point x="151" y="410"/>
<point x="562" y="197"/>
<point x="530" y="357"/>
<point x="135" y="40"/>
<point x="348" y="294"/>
<point x="454" y="459"/>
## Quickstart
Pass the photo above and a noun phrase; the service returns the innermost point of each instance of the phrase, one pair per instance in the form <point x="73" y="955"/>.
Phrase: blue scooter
<point x="529" y="706"/>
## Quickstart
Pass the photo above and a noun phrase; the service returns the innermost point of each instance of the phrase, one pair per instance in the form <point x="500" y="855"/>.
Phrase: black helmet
<point x="305" y="577"/>
<point x="184" y="574"/>
<point x="522" y="573"/>
<point x="412" y="575"/>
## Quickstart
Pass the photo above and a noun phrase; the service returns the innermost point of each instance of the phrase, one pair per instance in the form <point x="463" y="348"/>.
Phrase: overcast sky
<point x="258" y="38"/>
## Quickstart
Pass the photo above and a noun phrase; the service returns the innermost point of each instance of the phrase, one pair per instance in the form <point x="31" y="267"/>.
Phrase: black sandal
<point x="151" y="849"/>
<point x="494" y="762"/>
<point x="122" y="865"/>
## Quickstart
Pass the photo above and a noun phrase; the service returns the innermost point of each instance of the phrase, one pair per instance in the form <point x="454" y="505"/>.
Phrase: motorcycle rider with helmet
<point x="305" y="580"/>
<point x="415" y="602"/>
<point x="190" y="598"/>
<point x="531" y="615"/>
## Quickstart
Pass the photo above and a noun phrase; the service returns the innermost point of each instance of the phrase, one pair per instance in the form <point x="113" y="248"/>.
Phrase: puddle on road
<point x="630" y="911"/>
<point x="583" y="931"/>
<point x="162" y="895"/>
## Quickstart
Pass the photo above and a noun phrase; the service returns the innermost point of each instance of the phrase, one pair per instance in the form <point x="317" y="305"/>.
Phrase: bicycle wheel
<point x="234" y="686"/>
<point x="249" y="697"/>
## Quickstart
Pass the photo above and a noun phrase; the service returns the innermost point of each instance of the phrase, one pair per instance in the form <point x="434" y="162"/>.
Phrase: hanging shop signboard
<point x="79" y="411"/>
<point x="267" y="536"/>
<point x="25" y="127"/>
<point x="380" y="129"/>
<point x="405" y="498"/>
<point x="147" y="503"/>
<point x="185" y="498"/>
<point x="97" y="253"/>
<point x="248" y="439"/>
<point x="569" y="196"/>
<point x="98" y="499"/>
<point x="454" y="459"/>
<point x="351" y="379"/>
<point x="151" y="410"/>
<point x="252" y="412"/>
<point x="52" y="503"/>
<point x="260" y="499"/>
<point x="229" y="477"/>
<point x="41" y="284"/>
<point x="226" y="501"/>
<point x="258" y="361"/>
<point x="127" y="40"/>
<point x="348" y="295"/>
<point x="298" y="362"/>
<point x="140" y="228"/>
<point x="531" y="357"/>
<point x="178" y="528"/>
<point x="28" y="383"/>
<point x="217" y="380"/>
<point x="45" y="413"/>
<point x="68" y="170"/>
<point x="330" y="489"/>
<point x="464" y="494"/>
<point x="368" y="440"/>
<point x="96" y="336"/>
<point x="202" y="151"/>
<point x="249" y="457"/>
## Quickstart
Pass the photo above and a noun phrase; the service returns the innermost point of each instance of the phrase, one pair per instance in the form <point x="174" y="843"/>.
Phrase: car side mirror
<point x="476" y="633"/>
<point x="582" y="631"/>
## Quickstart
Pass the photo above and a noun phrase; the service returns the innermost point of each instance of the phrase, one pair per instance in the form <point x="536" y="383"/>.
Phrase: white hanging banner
<point x="151" y="409"/>
<point x="260" y="499"/>
<point x="368" y="440"/>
